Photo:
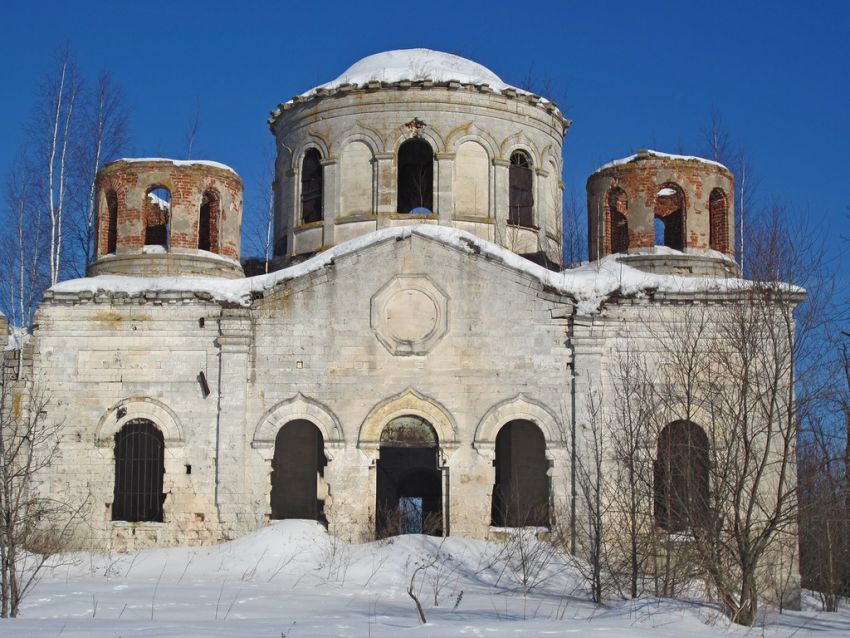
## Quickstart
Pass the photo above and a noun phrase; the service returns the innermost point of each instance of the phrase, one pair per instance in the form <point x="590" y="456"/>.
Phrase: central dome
<point x="416" y="65"/>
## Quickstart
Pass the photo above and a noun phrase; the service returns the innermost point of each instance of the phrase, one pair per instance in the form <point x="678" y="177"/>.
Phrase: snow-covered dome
<point x="416" y="65"/>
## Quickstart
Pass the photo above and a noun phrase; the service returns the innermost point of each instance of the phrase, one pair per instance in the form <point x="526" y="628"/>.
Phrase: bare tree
<point x="33" y="525"/>
<point x="192" y="129"/>
<point x="102" y="137"/>
<point x="575" y="231"/>
<point x="259" y="228"/>
<point x="53" y="129"/>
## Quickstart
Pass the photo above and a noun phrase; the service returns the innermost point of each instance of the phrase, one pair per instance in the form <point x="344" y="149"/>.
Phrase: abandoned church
<point x="416" y="360"/>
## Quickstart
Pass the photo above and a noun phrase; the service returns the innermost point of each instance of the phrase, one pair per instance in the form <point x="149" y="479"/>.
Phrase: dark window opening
<point x="157" y="217"/>
<point x="111" y="222"/>
<point x="618" y="229"/>
<point x="139" y="469"/>
<point x="681" y="477"/>
<point x="298" y="466"/>
<point x="311" y="187"/>
<point x="415" y="177"/>
<point x="208" y="221"/>
<point x="409" y="481"/>
<point x="718" y="220"/>
<point x="670" y="212"/>
<point x="521" y="198"/>
<point x="521" y="490"/>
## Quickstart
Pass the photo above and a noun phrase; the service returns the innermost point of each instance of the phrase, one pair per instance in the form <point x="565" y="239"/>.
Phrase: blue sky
<point x="629" y="74"/>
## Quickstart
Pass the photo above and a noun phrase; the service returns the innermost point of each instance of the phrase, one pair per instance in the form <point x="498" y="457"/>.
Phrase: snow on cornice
<point x="648" y="153"/>
<point x="131" y="160"/>
<point x="589" y="285"/>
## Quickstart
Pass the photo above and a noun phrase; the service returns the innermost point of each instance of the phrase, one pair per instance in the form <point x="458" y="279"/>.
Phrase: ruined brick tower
<point x="650" y="201"/>
<point x="168" y="217"/>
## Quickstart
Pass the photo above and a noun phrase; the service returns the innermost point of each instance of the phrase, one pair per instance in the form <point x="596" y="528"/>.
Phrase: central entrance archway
<point x="409" y="481"/>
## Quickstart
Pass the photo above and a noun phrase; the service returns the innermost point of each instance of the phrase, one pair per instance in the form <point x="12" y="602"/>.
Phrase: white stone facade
<point x="464" y="337"/>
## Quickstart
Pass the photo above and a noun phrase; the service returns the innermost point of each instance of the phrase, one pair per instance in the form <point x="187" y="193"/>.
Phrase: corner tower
<point x="168" y="217"/>
<point x="664" y="213"/>
<point x="418" y="136"/>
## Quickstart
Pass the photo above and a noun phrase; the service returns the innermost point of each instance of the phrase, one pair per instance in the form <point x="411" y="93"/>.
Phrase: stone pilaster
<point x="443" y="204"/>
<point x="232" y="436"/>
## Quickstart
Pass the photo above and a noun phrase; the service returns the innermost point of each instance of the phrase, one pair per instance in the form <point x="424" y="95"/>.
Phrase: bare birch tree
<point x="102" y="137"/>
<point x="54" y="129"/>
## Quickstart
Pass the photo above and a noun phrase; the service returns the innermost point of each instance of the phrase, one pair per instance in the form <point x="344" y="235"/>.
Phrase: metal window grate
<point x="139" y="469"/>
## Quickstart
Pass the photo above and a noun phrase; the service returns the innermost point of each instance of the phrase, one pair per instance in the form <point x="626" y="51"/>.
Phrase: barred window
<point x="521" y="197"/>
<point x="311" y="187"/>
<point x="681" y="477"/>
<point x="139" y="469"/>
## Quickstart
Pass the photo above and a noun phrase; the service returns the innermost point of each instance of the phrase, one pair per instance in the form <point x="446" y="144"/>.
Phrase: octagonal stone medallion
<point x="409" y="315"/>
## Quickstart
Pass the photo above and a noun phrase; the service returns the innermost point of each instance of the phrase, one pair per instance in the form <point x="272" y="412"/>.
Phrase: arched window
<point x="681" y="477"/>
<point x="521" y="198"/>
<point x="157" y="216"/>
<point x="311" y="187"/>
<point x="670" y="217"/>
<point x="718" y="216"/>
<point x="521" y="491"/>
<point x="139" y="468"/>
<point x="409" y="481"/>
<point x="208" y="221"/>
<point x="111" y="222"/>
<point x="415" y="177"/>
<point x="297" y="469"/>
<point x="618" y="223"/>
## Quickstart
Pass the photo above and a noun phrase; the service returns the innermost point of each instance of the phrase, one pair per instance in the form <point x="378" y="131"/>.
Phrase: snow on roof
<point x="647" y="153"/>
<point x="590" y="284"/>
<point x="177" y="162"/>
<point x="416" y="65"/>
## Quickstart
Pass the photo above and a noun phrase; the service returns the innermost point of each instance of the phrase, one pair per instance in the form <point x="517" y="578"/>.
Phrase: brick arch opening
<point x="669" y="216"/>
<point x="718" y="220"/>
<point x="111" y="216"/>
<point x="157" y="216"/>
<point x="616" y="221"/>
<point x="521" y="489"/>
<point x="209" y="218"/>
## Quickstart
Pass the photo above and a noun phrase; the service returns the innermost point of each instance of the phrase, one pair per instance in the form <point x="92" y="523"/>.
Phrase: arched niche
<point x="139" y="408"/>
<point x="407" y="403"/>
<point x="298" y="408"/>
<point x="519" y="408"/>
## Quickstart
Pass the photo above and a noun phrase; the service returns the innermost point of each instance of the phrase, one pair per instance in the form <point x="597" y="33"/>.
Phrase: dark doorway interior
<point x="299" y="461"/>
<point x="409" y="481"/>
<point x="521" y="491"/>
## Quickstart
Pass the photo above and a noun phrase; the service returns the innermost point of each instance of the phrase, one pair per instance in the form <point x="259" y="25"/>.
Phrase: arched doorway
<point x="409" y="496"/>
<point x="298" y="467"/>
<point x="521" y="490"/>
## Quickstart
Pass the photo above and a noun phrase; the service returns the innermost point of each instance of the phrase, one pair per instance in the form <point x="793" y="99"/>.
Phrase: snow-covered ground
<point x="291" y="579"/>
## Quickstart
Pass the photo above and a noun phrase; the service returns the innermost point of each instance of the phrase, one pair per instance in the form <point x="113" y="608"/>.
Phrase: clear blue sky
<point x="630" y="74"/>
